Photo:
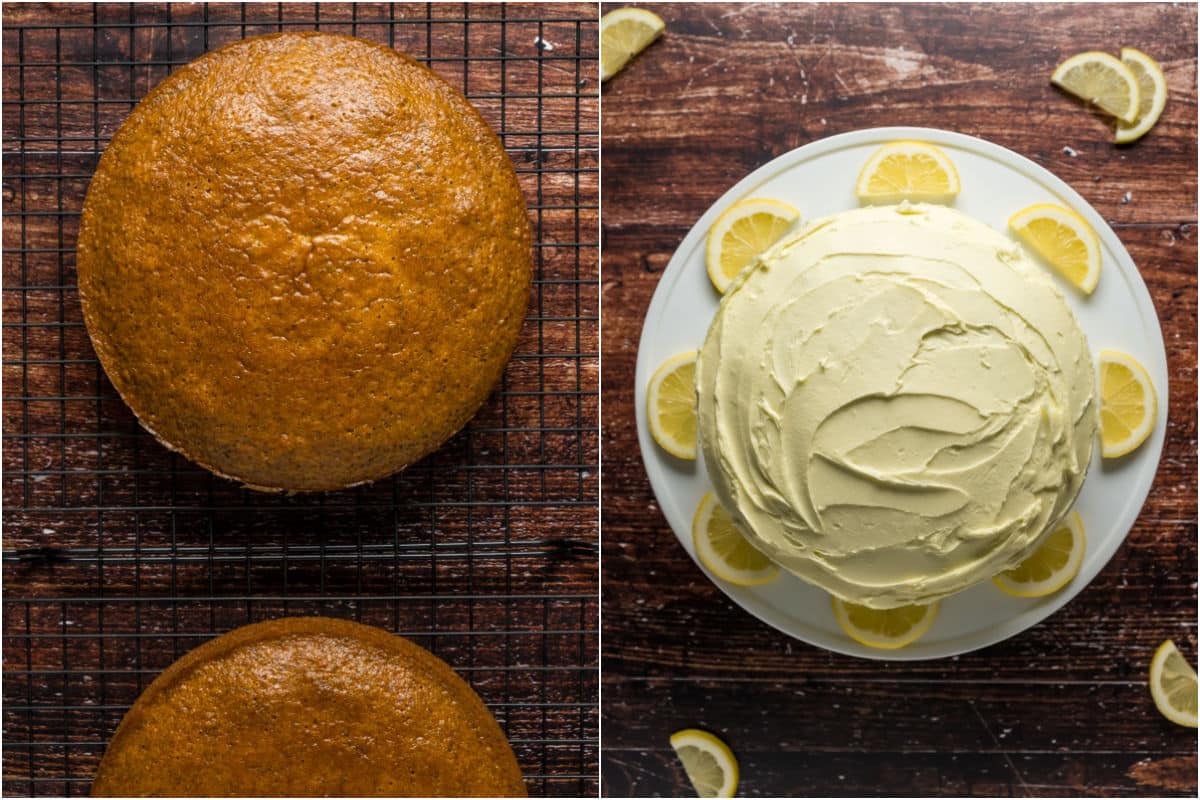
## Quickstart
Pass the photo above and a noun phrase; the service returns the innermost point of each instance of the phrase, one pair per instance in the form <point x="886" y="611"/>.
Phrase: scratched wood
<point x="120" y="556"/>
<point x="1061" y="709"/>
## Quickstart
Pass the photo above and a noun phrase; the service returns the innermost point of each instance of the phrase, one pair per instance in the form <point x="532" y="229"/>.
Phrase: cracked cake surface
<point x="304" y="261"/>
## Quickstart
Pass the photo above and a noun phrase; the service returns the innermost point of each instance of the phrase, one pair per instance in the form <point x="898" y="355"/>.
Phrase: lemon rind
<point x="1140" y="435"/>
<point x="722" y="224"/>
<point x="694" y="736"/>
<point x="1019" y="221"/>
<point x="1128" y="133"/>
<point x="656" y="433"/>
<point x="1064" y="577"/>
<point x="940" y="198"/>
<point x="648" y="18"/>
<point x="1161" y="654"/>
<point x="716" y="566"/>
<point x="1116" y="65"/>
<point x="855" y="633"/>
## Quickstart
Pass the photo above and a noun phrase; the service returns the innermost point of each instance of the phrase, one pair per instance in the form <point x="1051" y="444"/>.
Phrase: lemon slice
<point x="1051" y="566"/>
<point x="671" y="405"/>
<point x="1063" y="239"/>
<point x="1101" y="80"/>
<point x="708" y="762"/>
<point x="1128" y="404"/>
<point x="722" y="548"/>
<point x="1152" y="89"/>
<point x="887" y="629"/>
<point x="744" y="231"/>
<point x="1173" y="685"/>
<point x="913" y="171"/>
<point x="624" y="33"/>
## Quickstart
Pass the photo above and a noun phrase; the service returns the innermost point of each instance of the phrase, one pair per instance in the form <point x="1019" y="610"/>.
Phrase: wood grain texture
<point x="119" y="556"/>
<point x="1061" y="709"/>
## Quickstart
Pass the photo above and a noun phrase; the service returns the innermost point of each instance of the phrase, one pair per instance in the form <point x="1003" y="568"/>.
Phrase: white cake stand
<point x="818" y="179"/>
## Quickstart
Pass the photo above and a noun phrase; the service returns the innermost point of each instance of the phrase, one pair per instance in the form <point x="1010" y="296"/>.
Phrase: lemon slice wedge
<point x="1152" y="88"/>
<point x="1063" y="239"/>
<point x="709" y="763"/>
<point x="671" y="406"/>
<point x="723" y="549"/>
<point x="742" y="233"/>
<point x="1052" y="565"/>
<point x="913" y="171"/>
<point x="1128" y="404"/>
<point x="886" y="629"/>
<point x="624" y="33"/>
<point x="1101" y="80"/>
<point x="1173" y="685"/>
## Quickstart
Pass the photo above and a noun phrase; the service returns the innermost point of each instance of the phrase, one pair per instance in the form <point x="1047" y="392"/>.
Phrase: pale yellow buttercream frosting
<point x="896" y="403"/>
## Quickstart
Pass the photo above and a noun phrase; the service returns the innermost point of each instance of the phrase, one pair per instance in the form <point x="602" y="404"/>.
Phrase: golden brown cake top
<point x="309" y="706"/>
<point x="304" y="260"/>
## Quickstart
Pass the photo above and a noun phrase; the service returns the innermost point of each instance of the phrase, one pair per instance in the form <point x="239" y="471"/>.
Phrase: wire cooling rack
<point x="119" y="556"/>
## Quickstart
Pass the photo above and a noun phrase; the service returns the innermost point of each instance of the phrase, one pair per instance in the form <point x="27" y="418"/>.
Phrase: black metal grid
<point x="119" y="556"/>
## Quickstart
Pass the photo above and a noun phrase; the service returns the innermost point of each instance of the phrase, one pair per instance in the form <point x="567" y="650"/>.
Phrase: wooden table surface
<point x="1061" y="709"/>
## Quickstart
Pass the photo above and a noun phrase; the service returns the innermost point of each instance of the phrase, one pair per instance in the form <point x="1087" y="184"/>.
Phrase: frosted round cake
<point x="896" y="403"/>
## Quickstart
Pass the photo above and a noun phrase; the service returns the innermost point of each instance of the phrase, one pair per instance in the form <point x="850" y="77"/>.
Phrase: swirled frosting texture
<point x="896" y="403"/>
